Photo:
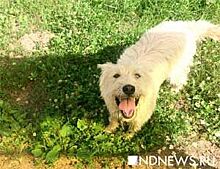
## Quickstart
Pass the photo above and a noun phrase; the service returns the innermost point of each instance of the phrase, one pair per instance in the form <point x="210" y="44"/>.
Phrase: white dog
<point x="130" y="87"/>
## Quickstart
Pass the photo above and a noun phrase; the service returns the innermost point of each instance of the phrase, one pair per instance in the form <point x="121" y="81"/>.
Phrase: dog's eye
<point x="137" y="75"/>
<point x="116" y="75"/>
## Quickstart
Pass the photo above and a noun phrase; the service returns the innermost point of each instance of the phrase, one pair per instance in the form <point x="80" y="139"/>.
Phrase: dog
<point x="164" y="52"/>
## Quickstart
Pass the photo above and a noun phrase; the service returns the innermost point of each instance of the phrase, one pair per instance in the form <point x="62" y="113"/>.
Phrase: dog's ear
<point x="105" y="66"/>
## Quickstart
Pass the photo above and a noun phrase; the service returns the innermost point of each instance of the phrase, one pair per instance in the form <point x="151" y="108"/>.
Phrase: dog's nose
<point x="128" y="89"/>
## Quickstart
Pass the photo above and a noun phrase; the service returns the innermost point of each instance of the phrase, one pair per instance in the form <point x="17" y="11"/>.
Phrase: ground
<point x="197" y="150"/>
<point x="51" y="112"/>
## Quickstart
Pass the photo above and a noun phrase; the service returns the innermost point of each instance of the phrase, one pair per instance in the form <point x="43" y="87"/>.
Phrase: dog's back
<point x="193" y="31"/>
<point x="198" y="29"/>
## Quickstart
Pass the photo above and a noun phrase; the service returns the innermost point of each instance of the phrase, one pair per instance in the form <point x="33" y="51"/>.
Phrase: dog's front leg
<point x="134" y="128"/>
<point x="113" y="124"/>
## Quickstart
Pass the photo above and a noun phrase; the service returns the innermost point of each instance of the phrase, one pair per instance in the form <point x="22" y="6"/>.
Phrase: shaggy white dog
<point x="130" y="87"/>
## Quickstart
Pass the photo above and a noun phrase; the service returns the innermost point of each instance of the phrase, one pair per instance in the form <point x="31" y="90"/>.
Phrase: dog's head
<point x="122" y="87"/>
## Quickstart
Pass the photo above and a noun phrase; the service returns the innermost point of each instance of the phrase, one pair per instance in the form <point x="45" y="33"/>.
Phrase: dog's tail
<point x="204" y="29"/>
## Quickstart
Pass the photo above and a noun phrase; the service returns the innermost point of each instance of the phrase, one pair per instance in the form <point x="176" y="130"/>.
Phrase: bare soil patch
<point x="30" y="42"/>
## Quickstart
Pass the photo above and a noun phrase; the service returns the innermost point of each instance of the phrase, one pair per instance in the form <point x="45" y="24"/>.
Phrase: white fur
<point x="163" y="52"/>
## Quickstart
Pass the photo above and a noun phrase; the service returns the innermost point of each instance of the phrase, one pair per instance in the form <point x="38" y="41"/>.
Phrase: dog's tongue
<point x="127" y="106"/>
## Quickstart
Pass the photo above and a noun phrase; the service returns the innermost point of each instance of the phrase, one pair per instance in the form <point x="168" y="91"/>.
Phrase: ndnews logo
<point x="171" y="160"/>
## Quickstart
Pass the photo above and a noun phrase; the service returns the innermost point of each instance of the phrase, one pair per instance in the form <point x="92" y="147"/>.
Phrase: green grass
<point x="61" y="110"/>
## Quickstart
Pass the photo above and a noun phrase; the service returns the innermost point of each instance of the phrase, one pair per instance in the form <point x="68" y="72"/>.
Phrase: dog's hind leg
<point x="179" y="78"/>
<point x="179" y="74"/>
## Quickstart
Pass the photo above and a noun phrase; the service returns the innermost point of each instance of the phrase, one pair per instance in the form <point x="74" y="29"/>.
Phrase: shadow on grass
<point x="63" y="82"/>
<point x="60" y="97"/>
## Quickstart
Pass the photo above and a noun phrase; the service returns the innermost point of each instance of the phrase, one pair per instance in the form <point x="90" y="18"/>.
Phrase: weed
<point x="50" y="101"/>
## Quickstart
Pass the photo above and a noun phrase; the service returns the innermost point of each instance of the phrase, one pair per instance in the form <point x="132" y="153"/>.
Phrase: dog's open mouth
<point x="127" y="106"/>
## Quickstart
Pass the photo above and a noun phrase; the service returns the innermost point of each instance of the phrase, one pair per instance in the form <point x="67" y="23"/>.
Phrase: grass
<point x="50" y="101"/>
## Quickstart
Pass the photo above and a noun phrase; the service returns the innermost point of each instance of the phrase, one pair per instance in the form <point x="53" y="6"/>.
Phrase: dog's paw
<point x="109" y="129"/>
<point x="129" y="135"/>
<point x="176" y="89"/>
